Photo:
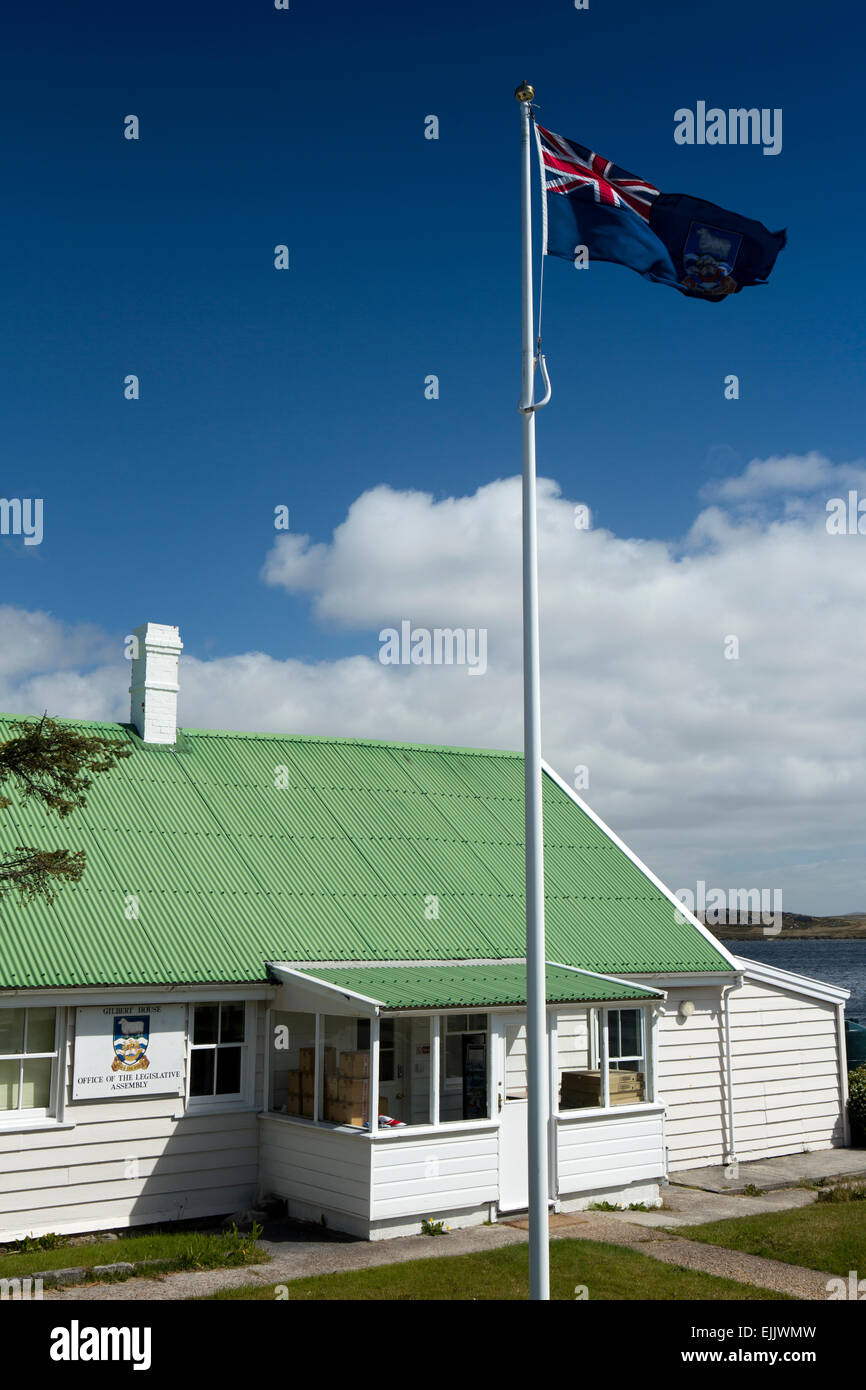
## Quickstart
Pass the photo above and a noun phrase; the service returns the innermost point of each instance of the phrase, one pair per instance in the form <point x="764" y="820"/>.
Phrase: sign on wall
<point x="121" y="1050"/>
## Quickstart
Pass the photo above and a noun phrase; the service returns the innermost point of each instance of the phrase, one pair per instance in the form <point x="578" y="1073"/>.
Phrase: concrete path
<point x="772" y="1173"/>
<point x="688" y="1206"/>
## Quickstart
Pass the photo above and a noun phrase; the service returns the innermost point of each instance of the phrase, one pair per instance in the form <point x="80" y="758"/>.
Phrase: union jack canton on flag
<point x="698" y="248"/>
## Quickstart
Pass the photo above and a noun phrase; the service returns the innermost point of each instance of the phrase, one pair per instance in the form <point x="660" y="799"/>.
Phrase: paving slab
<point x="776" y="1172"/>
<point x="691" y="1206"/>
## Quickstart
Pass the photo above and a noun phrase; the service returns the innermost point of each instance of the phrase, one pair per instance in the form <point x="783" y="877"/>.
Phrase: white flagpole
<point x="536" y="1003"/>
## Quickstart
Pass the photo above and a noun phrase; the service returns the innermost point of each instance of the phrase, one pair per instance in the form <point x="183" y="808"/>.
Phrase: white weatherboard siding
<point x="610" y="1152"/>
<point x="424" y="1174"/>
<point x="786" y="1072"/>
<point x="572" y="1045"/>
<point x="691" y="1077"/>
<point x="785" y="1069"/>
<point x="128" y="1162"/>
<point x="319" y="1172"/>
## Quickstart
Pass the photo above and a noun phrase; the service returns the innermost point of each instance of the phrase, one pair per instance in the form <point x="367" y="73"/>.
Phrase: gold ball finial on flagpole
<point x="525" y="92"/>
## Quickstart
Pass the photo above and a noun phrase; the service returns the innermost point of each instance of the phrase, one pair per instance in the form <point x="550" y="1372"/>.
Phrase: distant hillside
<point x="794" y="925"/>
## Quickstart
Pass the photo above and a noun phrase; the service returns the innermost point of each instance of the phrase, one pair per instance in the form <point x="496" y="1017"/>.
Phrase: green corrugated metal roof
<point x="472" y="986"/>
<point x="231" y="870"/>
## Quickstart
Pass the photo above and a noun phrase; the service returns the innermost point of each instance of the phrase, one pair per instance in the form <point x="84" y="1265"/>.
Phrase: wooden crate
<point x="583" y="1088"/>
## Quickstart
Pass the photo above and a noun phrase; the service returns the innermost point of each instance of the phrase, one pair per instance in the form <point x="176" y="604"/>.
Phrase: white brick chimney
<point x="154" y="687"/>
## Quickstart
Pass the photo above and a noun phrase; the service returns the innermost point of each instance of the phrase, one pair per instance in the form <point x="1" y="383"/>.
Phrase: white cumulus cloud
<point x="744" y="770"/>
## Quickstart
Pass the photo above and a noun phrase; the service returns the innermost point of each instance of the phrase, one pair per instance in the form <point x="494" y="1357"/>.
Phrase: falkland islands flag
<point x="700" y="249"/>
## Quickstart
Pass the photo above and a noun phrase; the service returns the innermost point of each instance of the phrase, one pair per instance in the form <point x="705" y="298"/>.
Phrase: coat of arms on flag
<point x="700" y="249"/>
<point x="131" y="1037"/>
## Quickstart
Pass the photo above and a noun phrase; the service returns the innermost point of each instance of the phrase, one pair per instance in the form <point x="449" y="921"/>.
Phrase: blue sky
<point x="306" y="387"/>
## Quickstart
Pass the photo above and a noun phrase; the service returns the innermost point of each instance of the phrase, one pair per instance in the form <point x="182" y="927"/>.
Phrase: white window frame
<point x="599" y="1050"/>
<point x="22" y="1116"/>
<point x="235" y="1098"/>
<point x="631" y="1057"/>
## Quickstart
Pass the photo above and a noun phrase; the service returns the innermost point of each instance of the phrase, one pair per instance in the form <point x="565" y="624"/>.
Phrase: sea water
<point x="841" y="963"/>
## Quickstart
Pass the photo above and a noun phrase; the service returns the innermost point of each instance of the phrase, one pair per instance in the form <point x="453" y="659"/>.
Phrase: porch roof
<point x="467" y="986"/>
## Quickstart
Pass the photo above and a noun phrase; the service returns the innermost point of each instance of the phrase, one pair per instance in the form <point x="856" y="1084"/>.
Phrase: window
<point x="404" y="1092"/>
<point x="217" y="1051"/>
<point x="346" y="1065"/>
<point x="464" y="1067"/>
<point x="28" y="1060"/>
<point x="581" y="1074"/>
<point x="626" y="1056"/>
<point x="624" y="1039"/>
<point x="292" y="1069"/>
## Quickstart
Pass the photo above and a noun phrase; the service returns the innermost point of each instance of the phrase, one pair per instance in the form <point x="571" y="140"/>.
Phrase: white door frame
<point x="513" y="1132"/>
<point x="499" y="1023"/>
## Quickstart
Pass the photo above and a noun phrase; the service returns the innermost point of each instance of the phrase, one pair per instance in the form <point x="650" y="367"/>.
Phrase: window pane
<point x="346" y="1072"/>
<point x="232" y="1017"/>
<point x="201" y="1072"/>
<point x="206" y="1018"/>
<point x="463" y="1083"/>
<point x="386" y="1032"/>
<point x="627" y="1084"/>
<point x="228" y="1071"/>
<point x="477" y="1022"/>
<point x="613" y="1047"/>
<point x="40" y="1030"/>
<point x="293" y="1038"/>
<point x="629" y="1022"/>
<point x="11" y="1030"/>
<point x="456" y="1023"/>
<point x="404" y="1094"/>
<point x="9" y="1085"/>
<point x="36" y="1084"/>
<point x="453" y="1053"/>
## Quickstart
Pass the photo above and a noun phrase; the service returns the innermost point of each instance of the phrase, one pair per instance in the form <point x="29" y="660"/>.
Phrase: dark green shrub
<point x="857" y="1105"/>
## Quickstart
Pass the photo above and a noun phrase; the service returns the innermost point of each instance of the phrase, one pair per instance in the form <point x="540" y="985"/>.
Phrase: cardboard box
<point x="347" y="1112"/>
<point x="308" y="1059"/>
<point x="354" y="1064"/>
<point x="332" y="1088"/>
<point x="344" y="1112"/>
<point x="354" y="1089"/>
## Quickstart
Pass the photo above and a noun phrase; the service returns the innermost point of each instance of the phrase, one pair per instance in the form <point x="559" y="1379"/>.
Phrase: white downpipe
<point x="842" y="1047"/>
<point x="729" y="1070"/>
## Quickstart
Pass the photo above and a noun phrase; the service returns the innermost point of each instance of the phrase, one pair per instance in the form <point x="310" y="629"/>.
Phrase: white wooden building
<point x="320" y="995"/>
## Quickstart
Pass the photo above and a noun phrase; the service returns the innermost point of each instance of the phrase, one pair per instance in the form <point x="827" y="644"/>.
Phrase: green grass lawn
<point x="186" y="1249"/>
<point x="609" y="1272"/>
<point x="829" y="1236"/>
